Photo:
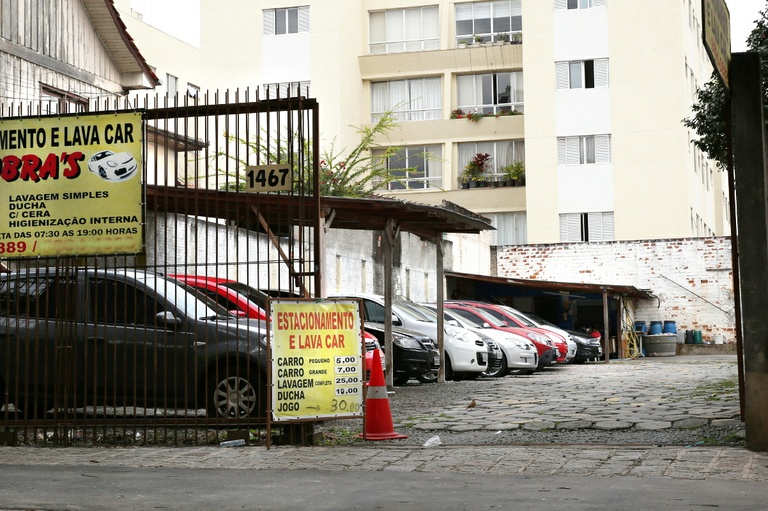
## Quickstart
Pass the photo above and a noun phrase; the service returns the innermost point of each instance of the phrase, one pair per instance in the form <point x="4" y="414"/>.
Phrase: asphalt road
<point x="119" y="488"/>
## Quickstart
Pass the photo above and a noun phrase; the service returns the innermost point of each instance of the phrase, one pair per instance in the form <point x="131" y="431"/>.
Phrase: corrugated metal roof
<point x="553" y="286"/>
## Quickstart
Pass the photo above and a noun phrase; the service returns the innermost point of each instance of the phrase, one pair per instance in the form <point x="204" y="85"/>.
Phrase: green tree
<point x="356" y="173"/>
<point x="709" y="113"/>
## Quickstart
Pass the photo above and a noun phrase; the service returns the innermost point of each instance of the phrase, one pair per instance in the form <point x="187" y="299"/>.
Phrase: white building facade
<point x="589" y="94"/>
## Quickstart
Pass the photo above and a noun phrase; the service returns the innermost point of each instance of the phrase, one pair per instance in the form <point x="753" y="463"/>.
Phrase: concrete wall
<point x="691" y="278"/>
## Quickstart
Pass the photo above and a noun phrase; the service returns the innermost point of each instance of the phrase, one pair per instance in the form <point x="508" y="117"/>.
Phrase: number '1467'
<point x="272" y="177"/>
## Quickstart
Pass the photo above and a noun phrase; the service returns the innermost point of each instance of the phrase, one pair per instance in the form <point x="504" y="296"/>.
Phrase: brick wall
<point x="691" y="278"/>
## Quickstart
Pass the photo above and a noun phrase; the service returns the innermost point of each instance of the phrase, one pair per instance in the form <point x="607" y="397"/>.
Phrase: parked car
<point x="465" y="352"/>
<point x="132" y="338"/>
<point x="414" y="354"/>
<point x="569" y="345"/>
<point x="545" y="347"/>
<point x="587" y="348"/>
<point x="228" y="297"/>
<point x="518" y="354"/>
<point x="372" y="349"/>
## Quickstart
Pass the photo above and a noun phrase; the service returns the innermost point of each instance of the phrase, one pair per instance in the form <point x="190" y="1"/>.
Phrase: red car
<point x="544" y="346"/>
<point x="222" y="291"/>
<point x="216" y="288"/>
<point x="509" y="316"/>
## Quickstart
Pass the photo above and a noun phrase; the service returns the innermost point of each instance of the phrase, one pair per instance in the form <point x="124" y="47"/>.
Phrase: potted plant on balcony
<point x="474" y="170"/>
<point x="501" y="38"/>
<point x="514" y="173"/>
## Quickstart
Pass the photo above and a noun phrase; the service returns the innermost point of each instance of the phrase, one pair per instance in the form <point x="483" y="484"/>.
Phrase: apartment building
<point x="588" y="95"/>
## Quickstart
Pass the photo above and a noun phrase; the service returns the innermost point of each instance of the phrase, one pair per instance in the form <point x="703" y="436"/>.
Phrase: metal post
<point x="752" y="225"/>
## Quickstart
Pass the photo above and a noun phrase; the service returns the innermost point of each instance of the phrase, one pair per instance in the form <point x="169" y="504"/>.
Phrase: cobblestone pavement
<point x="647" y="396"/>
<point x="640" y="395"/>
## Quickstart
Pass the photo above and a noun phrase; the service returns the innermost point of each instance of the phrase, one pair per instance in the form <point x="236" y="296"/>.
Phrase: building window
<point x="586" y="227"/>
<point x="503" y="152"/>
<point x="491" y="93"/>
<point x="417" y="99"/>
<point x="399" y="30"/>
<point x="488" y="21"/>
<point x="193" y="91"/>
<point x="578" y="4"/>
<point x="511" y="229"/>
<point x="584" y="150"/>
<point x="415" y="167"/>
<point x="284" y="90"/>
<point x="293" y="20"/>
<point x="172" y="84"/>
<point x="582" y="74"/>
<point x="57" y="101"/>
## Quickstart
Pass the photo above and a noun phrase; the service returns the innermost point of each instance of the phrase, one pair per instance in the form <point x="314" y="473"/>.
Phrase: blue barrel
<point x="670" y="327"/>
<point x="641" y="326"/>
<point x="655" y="328"/>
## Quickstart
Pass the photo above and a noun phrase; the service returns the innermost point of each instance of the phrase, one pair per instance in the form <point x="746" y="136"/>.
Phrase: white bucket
<point x="719" y="339"/>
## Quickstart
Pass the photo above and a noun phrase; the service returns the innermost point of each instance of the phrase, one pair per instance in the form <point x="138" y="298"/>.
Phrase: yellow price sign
<point x="317" y="361"/>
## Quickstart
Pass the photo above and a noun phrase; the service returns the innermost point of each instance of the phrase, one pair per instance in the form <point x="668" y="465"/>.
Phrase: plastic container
<point x="719" y="339"/>
<point x="697" y="337"/>
<point x="670" y="327"/>
<point x="655" y="328"/>
<point x="689" y="337"/>
<point x="641" y="326"/>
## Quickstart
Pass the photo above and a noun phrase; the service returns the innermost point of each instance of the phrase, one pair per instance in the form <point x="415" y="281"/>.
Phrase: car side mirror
<point x="396" y="321"/>
<point x="487" y="325"/>
<point x="238" y="313"/>
<point x="166" y="318"/>
<point x="452" y="322"/>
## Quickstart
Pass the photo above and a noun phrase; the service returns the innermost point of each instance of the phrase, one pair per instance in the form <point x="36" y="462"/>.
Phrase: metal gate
<point x="165" y="344"/>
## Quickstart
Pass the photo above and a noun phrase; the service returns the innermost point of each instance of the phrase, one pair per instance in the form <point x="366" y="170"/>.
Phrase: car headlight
<point x="407" y="343"/>
<point x="539" y="338"/>
<point x="520" y="344"/>
<point x="459" y="334"/>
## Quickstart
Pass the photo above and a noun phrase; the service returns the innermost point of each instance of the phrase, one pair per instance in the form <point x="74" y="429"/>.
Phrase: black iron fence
<point x="155" y="345"/>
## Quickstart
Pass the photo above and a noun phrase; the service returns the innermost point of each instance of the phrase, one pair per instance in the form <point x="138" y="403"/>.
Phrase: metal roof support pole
<point x="606" y="339"/>
<point x="390" y="233"/>
<point x="439" y="253"/>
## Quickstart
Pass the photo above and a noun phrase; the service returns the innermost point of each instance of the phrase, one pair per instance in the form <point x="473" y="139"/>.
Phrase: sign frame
<point x="315" y="372"/>
<point x="73" y="184"/>
<point x="716" y="35"/>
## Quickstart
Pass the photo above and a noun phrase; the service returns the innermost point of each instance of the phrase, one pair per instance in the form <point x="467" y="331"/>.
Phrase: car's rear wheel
<point x="499" y="371"/>
<point x="235" y="393"/>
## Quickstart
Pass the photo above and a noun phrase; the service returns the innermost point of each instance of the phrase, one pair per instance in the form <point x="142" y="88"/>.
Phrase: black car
<point x="106" y="338"/>
<point x="587" y="348"/>
<point x="414" y="355"/>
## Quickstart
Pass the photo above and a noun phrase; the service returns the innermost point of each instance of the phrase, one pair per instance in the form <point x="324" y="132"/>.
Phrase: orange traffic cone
<point x="378" y="416"/>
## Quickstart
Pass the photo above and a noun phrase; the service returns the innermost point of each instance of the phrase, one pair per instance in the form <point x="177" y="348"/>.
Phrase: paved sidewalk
<point x="697" y="463"/>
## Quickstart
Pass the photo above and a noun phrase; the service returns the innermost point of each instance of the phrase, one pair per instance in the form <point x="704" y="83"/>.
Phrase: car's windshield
<point x="194" y="303"/>
<point x="416" y="311"/>
<point x="490" y="318"/>
<point x="517" y="315"/>
<point x="253" y="294"/>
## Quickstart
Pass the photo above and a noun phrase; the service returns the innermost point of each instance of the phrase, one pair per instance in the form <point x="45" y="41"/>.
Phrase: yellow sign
<point x="717" y="36"/>
<point x="71" y="185"/>
<point x="317" y="364"/>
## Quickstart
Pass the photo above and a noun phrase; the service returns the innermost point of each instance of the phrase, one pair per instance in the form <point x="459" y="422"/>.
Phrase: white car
<point x="465" y="351"/>
<point x="519" y="354"/>
<point x="546" y="325"/>
<point x="112" y="166"/>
